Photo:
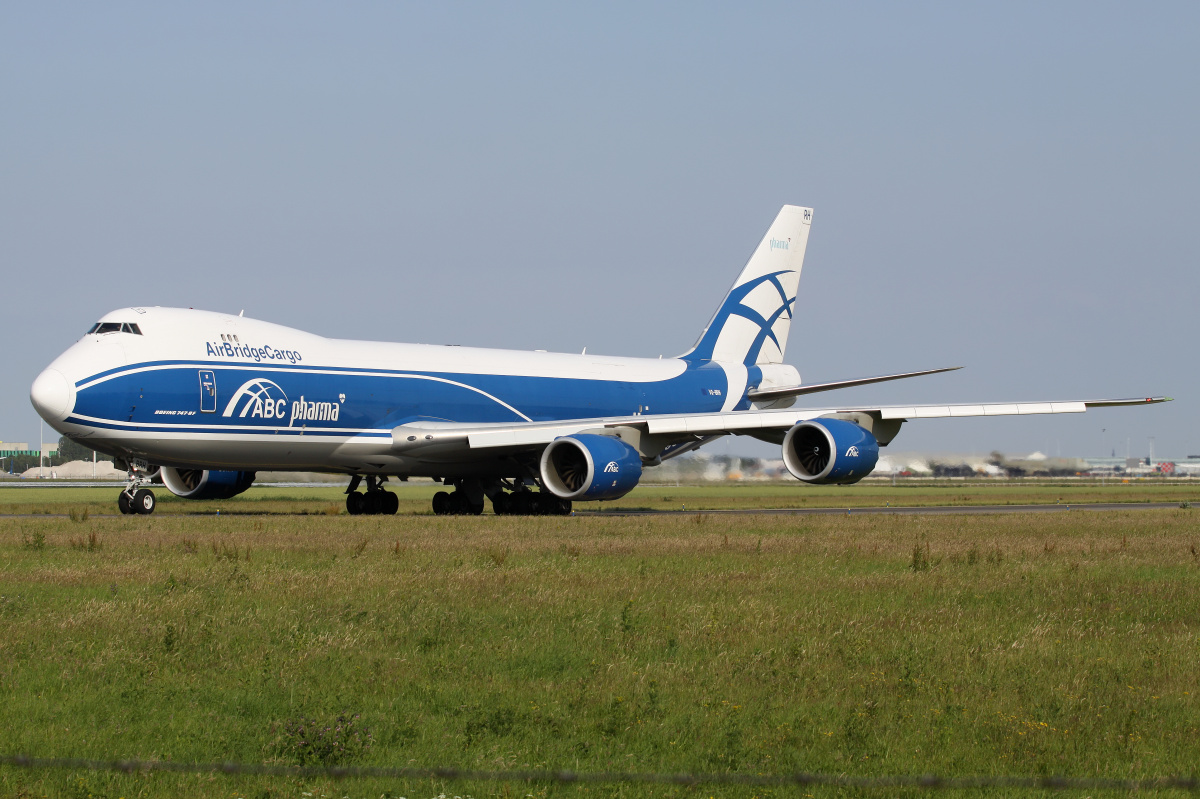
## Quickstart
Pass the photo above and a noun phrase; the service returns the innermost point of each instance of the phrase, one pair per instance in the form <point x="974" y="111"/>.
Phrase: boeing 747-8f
<point x="201" y="401"/>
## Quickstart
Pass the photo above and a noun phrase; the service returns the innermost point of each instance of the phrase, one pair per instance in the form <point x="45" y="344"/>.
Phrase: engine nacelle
<point x="829" y="451"/>
<point x="205" y="484"/>
<point x="587" y="466"/>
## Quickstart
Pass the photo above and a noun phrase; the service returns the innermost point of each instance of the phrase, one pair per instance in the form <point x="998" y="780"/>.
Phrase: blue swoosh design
<point x="734" y="306"/>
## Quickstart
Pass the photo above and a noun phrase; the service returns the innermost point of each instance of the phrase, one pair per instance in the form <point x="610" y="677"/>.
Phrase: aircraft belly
<point x="260" y="453"/>
<point x="231" y="454"/>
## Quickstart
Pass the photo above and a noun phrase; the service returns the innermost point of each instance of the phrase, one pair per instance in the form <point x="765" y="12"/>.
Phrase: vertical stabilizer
<point x="752" y="324"/>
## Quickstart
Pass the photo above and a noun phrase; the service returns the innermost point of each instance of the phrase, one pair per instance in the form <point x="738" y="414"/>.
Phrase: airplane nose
<point x="51" y="395"/>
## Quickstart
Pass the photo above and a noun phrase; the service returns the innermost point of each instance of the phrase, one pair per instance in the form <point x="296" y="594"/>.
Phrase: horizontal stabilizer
<point x="779" y="392"/>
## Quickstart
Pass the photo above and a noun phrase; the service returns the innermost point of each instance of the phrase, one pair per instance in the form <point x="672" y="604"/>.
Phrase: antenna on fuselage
<point x="241" y="312"/>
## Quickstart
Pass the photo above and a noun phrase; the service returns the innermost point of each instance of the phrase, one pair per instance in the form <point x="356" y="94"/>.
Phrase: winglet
<point x="1112" y="403"/>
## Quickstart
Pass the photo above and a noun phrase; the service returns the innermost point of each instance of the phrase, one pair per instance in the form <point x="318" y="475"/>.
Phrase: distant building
<point x="1136" y="467"/>
<point x="12" y="449"/>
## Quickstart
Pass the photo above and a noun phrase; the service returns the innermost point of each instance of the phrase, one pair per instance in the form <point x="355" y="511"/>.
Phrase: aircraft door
<point x="208" y="391"/>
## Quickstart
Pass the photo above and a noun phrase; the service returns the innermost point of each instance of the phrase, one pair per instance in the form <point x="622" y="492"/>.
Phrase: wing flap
<point x="998" y="409"/>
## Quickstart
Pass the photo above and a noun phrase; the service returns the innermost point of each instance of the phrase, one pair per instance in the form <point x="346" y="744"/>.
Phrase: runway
<point x="925" y="510"/>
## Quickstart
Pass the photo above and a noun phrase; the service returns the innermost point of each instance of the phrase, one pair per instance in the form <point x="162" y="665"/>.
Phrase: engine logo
<point x="852" y="452"/>
<point x="612" y="468"/>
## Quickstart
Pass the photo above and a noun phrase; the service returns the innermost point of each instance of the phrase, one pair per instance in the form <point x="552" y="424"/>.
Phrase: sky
<point x="1010" y="187"/>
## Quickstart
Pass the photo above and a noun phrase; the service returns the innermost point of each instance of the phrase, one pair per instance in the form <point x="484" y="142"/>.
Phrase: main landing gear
<point x="374" y="502"/>
<point x="524" y="502"/>
<point x="468" y="495"/>
<point x="133" y="498"/>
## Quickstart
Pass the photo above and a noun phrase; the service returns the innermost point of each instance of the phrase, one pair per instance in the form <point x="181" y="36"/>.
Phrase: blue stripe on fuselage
<point x="166" y="395"/>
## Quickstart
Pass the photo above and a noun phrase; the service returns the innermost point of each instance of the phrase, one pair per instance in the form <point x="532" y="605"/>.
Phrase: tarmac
<point x="925" y="510"/>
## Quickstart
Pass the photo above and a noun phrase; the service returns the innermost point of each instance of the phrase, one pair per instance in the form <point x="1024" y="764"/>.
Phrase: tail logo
<point x="734" y="306"/>
<point x="777" y="244"/>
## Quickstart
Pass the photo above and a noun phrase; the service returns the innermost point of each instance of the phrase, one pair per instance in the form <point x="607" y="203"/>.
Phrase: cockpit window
<point x="115" y="327"/>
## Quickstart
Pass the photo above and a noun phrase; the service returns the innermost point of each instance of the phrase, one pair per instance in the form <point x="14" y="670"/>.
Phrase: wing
<point x="435" y="440"/>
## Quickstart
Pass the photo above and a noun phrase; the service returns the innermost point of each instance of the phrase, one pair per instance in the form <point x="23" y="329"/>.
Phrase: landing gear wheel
<point x="521" y="503"/>
<point x="390" y="503"/>
<point x="370" y="503"/>
<point x="441" y="503"/>
<point x="545" y="504"/>
<point x="501" y="504"/>
<point x="143" y="501"/>
<point x="354" y="503"/>
<point x="123" y="503"/>
<point x="549" y="504"/>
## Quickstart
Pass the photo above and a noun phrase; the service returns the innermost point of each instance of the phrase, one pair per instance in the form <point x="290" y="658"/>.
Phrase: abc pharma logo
<point x="259" y="398"/>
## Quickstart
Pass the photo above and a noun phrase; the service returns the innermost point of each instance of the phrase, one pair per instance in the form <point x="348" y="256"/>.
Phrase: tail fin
<point x="752" y="324"/>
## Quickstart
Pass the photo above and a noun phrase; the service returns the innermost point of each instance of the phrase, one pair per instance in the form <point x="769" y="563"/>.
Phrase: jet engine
<point x="205" y="484"/>
<point x="829" y="451"/>
<point x="586" y="466"/>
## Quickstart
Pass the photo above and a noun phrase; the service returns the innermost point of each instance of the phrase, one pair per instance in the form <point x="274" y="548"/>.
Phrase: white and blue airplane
<point x="201" y="401"/>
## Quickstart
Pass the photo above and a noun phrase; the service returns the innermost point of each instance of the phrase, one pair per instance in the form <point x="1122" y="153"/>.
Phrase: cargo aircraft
<point x="200" y="401"/>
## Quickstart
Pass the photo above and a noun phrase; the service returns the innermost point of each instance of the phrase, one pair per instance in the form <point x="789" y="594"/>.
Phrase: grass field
<point x="1024" y="644"/>
<point x="415" y="498"/>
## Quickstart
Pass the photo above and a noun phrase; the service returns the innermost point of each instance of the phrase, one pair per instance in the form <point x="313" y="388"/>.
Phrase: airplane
<point x="201" y="401"/>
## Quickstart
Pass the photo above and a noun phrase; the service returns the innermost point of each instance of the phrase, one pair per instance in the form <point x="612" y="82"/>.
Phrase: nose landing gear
<point x="374" y="502"/>
<point x="133" y="498"/>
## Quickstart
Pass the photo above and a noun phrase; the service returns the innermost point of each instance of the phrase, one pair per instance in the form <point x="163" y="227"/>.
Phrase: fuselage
<point x="188" y="388"/>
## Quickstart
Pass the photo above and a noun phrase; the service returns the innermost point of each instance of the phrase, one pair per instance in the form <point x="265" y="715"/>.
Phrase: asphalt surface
<point x="926" y="510"/>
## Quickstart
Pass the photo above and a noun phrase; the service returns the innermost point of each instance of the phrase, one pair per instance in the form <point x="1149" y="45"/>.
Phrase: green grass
<point x="415" y="497"/>
<point x="1025" y="644"/>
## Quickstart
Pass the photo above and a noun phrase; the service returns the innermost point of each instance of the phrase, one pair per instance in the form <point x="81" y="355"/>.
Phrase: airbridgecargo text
<point x="216" y="349"/>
